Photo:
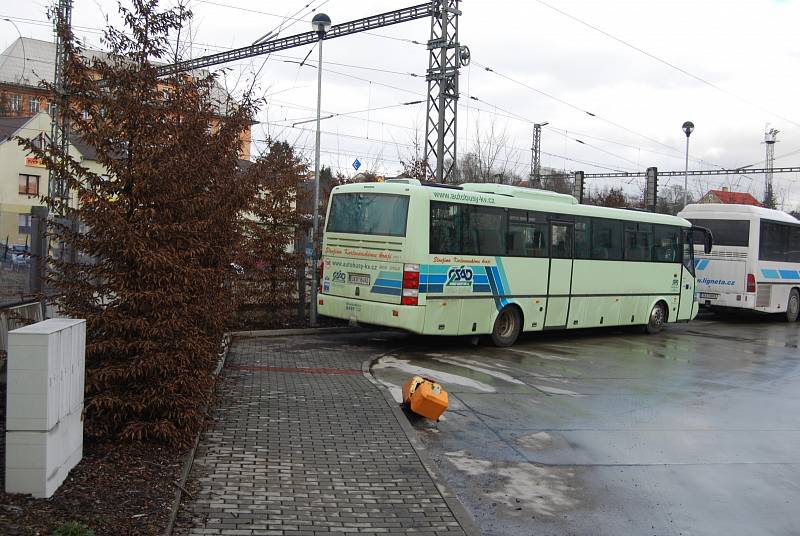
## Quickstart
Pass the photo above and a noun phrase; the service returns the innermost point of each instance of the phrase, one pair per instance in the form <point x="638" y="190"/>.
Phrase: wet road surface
<point x="693" y="431"/>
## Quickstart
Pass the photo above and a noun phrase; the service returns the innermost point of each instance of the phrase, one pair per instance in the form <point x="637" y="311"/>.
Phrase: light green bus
<point x="490" y="259"/>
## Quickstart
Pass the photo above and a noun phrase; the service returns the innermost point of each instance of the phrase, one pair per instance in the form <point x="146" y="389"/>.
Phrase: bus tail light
<point x="410" y="296"/>
<point x="751" y="283"/>
<point x="320" y="273"/>
<point x="411" y="276"/>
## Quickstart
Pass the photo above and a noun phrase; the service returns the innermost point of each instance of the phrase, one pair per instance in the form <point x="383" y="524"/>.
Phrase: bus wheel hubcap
<point x="657" y="316"/>
<point x="506" y="324"/>
<point x="793" y="305"/>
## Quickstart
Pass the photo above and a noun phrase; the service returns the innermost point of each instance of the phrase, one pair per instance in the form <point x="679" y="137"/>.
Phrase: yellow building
<point x="23" y="178"/>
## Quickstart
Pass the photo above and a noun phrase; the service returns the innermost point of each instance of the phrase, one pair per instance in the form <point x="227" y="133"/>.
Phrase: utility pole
<point x="535" y="180"/>
<point x="445" y="58"/>
<point x="770" y="136"/>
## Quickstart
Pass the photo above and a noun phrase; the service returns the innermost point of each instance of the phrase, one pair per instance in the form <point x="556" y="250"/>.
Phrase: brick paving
<point x="303" y="444"/>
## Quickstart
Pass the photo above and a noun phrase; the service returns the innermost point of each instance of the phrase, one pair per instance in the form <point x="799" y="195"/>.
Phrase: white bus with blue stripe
<point x="755" y="264"/>
<point x="489" y="259"/>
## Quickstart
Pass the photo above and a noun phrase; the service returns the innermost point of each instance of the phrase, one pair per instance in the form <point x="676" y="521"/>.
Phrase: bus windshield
<point x="368" y="213"/>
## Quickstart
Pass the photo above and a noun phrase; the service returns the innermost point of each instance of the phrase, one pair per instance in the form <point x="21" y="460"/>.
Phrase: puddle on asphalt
<point x="478" y="367"/>
<point x="557" y="391"/>
<point x="540" y="355"/>
<point x="446" y="378"/>
<point x="536" y="441"/>
<point x="520" y="486"/>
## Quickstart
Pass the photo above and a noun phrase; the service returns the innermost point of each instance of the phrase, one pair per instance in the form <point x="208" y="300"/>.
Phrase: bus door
<point x="559" y="282"/>
<point x="685" y="309"/>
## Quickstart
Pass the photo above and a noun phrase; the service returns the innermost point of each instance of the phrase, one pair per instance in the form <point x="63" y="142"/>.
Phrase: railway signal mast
<point x="59" y="127"/>
<point x="446" y="56"/>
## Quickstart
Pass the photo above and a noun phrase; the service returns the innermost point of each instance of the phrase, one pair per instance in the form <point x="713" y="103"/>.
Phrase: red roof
<point x="735" y="198"/>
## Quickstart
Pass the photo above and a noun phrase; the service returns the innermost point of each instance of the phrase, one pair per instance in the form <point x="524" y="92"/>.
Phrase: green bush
<point x="73" y="528"/>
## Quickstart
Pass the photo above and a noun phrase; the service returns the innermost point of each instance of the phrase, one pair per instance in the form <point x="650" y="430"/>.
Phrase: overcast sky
<point x="748" y="49"/>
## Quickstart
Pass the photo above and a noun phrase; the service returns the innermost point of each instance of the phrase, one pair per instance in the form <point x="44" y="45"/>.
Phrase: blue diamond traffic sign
<point x="356" y="164"/>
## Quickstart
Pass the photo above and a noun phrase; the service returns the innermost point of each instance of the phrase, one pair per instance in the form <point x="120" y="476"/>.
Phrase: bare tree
<point x="486" y="150"/>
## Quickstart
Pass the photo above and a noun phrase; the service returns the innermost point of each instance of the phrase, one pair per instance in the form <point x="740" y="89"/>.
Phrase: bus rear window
<point x="727" y="232"/>
<point x="368" y="213"/>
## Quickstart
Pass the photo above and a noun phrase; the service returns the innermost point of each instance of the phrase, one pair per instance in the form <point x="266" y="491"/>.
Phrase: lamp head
<point x="320" y="23"/>
<point x="688" y="128"/>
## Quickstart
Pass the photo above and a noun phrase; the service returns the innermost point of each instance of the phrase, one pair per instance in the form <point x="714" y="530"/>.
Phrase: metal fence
<point x="15" y="259"/>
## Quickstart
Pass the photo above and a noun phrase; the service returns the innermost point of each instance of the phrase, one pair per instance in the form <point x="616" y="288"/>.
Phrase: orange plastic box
<point x="425" y="397"/>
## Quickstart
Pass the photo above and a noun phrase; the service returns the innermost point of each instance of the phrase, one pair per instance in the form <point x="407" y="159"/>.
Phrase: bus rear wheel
<point x="793" y="306"/>
<point x="656" y="320"/>
<point x="507" y="326"/>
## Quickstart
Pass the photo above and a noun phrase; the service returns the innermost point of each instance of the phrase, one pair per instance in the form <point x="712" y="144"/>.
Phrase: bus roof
<point x="503" y="195"/>
<point x="726" y="211"/>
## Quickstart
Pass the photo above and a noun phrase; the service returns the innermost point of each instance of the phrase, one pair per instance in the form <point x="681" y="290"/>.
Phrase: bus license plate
<point x="709" y="295"/>
<point x="358" y="279"/>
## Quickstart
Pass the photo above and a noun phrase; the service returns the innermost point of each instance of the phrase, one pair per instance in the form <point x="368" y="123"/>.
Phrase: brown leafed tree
<point x="609" y="197"/>
<point x="272" y="246"/>
<point x="157" y="232"/>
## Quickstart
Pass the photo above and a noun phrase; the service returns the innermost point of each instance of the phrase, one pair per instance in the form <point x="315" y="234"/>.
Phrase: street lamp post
<point x="320" y="23"/>
<point x="688" y="128"/>
<point x="24" y="55"/>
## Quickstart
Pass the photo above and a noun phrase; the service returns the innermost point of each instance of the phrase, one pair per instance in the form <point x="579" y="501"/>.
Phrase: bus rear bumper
<point x="727" y="300"/>
<point x="406" y="317"/>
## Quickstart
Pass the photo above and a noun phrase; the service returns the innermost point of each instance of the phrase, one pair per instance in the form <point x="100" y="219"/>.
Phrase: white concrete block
<point x="24" y="381"/>
<point x="44" y="437"/>
<point x="27" y="412"/>
<point x="38" y="462"/>
<point x="49" y="360"/>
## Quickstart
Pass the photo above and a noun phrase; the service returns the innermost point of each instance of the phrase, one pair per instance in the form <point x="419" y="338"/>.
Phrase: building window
<point x="33" y="105"/>
<point x="85" y="115"/>
<point x="24" y="224"/>
<point x="28" y="184"/>
<point x="15" y="103"/>
<point x="51" y="108"/>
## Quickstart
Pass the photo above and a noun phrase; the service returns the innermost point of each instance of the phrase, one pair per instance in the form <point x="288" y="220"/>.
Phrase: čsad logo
<point x="460" y="276"/>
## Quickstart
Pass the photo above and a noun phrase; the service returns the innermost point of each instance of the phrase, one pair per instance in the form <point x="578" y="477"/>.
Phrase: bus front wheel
<point x="793" y="307"/>
<point x="507" y="326"/>
<point x="657" y="318"/>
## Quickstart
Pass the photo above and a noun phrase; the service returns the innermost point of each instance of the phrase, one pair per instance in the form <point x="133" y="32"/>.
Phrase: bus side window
<point x="794" y="244"/>
<point x="606" y="239"/>
<point x="445" y="228"/>
<point x="583" y="241"/>
<point x="666" y="244"/>
<point x="561" y="241"/>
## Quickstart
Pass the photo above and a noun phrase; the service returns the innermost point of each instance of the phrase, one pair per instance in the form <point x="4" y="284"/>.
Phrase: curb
<point x="187" y="464"/>
<point x="295" y="331"/>
<point x="456" y="508"/>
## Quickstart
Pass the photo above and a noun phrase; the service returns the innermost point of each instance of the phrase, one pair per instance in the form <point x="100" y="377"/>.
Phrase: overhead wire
<point x="667" y="63"/>
<point x="508" y="113"/>
<point x="575" y="107"/>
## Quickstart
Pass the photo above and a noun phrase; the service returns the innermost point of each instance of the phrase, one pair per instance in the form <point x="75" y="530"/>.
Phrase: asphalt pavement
<point x="694" y="431"/>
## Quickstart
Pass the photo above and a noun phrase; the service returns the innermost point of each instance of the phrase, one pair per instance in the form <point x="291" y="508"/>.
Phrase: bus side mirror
<point x="708" y="238"/>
